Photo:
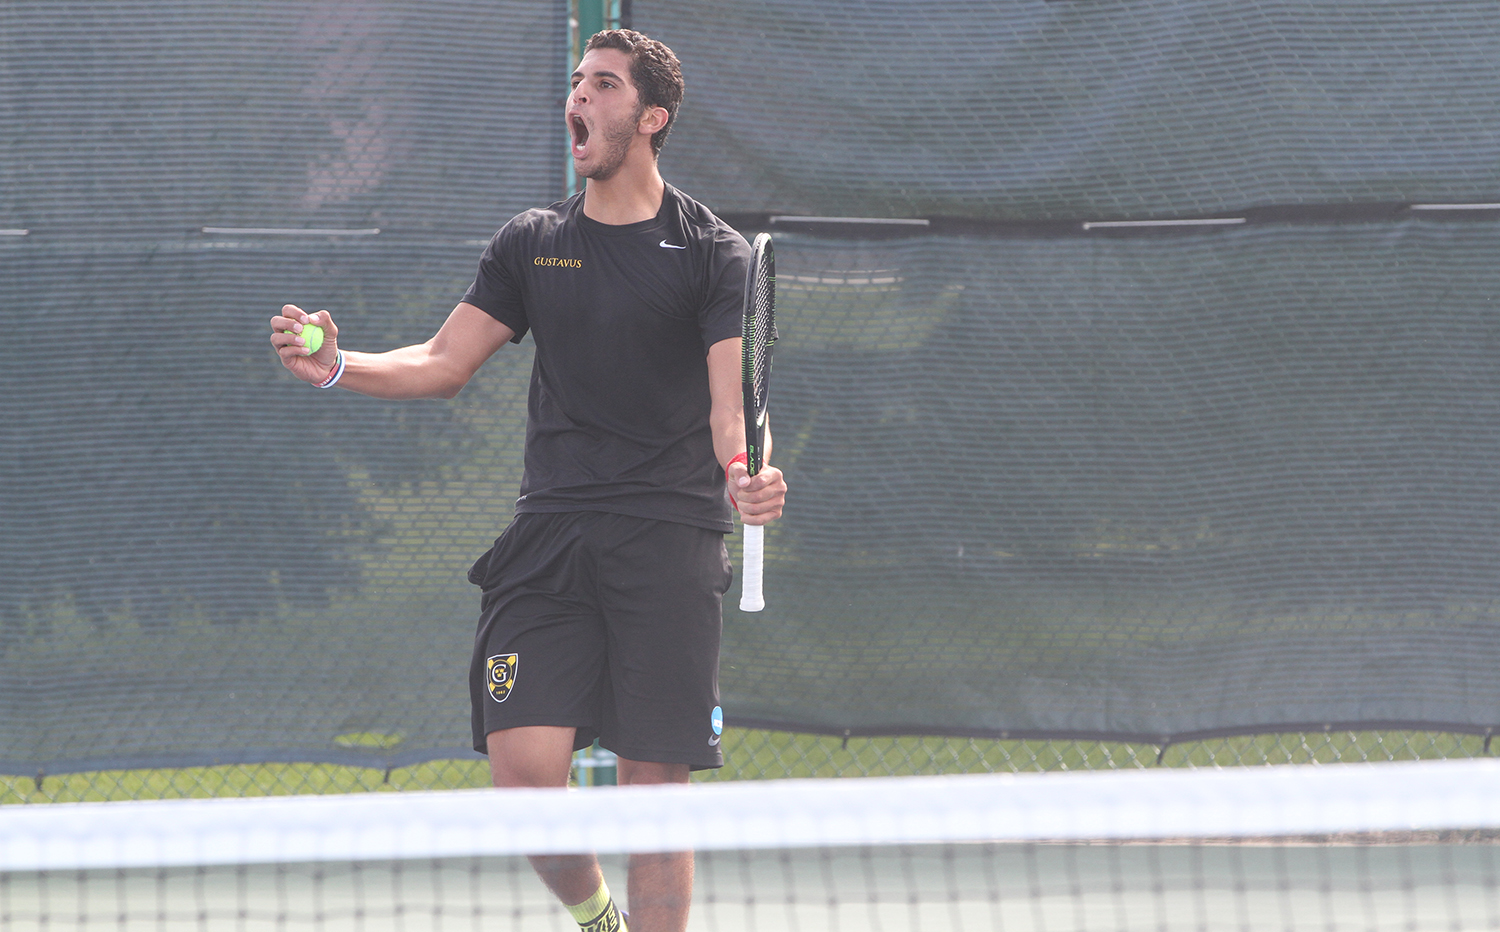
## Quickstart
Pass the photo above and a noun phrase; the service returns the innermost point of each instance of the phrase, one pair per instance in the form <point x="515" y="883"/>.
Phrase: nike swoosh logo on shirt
<point x="666" y="245"/>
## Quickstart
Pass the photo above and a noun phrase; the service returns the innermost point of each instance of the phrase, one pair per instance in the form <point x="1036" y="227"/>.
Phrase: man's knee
<point x="536" y="755"/>
<point x="644" y="772"/>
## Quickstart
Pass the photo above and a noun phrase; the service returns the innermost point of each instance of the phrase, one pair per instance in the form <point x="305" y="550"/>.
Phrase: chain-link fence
<point x="757" y="755"/>
<point x="1138" y="484"/>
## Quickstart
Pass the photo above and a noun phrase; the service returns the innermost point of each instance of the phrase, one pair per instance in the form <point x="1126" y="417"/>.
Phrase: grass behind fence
<point x="755" y="755"/>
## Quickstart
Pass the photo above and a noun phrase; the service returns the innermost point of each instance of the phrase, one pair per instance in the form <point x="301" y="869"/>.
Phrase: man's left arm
<point x="760" y="497"/>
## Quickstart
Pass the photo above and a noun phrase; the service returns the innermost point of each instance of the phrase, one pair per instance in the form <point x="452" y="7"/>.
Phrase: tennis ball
<point x="313" y="334"/>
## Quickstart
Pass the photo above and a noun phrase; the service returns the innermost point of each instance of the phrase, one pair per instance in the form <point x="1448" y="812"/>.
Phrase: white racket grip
<point x="751" y="597"/>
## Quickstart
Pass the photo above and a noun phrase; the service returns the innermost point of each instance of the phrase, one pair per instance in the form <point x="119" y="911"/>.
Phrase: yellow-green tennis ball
<point x="313" y="334"/>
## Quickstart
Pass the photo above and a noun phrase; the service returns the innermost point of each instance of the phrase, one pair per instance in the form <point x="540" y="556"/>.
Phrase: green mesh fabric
<point x="1045" y="482"/>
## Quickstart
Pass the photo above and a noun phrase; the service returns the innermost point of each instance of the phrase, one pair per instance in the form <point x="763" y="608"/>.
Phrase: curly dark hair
<point x="654" y="70"/>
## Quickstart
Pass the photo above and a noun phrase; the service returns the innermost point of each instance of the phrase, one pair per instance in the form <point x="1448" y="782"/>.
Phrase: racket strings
<point x="759" y="335"/>
<point x="763" y="333"/>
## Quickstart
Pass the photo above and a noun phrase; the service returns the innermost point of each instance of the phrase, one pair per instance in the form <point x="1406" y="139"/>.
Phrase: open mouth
<point x="580" y="133"/>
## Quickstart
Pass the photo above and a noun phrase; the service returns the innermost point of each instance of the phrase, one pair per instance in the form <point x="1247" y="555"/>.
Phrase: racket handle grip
<point x="752" y="599"/>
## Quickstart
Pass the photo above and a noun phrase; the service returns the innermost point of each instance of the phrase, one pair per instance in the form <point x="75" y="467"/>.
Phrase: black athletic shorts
<point x="605" y="623"/>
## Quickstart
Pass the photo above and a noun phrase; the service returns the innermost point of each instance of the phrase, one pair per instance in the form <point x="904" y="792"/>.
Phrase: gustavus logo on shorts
<point x="500" y="675"/>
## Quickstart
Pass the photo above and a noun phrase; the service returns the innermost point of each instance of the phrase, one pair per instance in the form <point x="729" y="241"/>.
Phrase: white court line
<point x="289" y="231"/>
<point x="888" y="221"/>
<point x="1454" y="207"/>
<point x="1129" y="224"/>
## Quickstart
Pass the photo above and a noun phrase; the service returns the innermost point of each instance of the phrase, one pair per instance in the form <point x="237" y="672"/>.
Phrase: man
<point x="600" y="614"/>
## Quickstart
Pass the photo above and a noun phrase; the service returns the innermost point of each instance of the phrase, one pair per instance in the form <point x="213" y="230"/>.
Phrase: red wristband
<point x="738" y="458"/>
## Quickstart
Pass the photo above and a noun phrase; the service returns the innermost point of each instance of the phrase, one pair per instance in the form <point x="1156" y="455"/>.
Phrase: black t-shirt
<point x="622" y="317"/>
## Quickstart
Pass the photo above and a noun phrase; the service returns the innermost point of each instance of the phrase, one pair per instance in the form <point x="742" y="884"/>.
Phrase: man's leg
<point x="540" y="756"/>
<point x="661" y="884"/>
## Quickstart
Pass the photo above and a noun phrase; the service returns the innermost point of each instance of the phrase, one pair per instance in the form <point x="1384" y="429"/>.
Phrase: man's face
<point x="603" y="113"/>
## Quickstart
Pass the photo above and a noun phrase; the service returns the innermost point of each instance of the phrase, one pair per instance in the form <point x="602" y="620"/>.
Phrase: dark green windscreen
<point x="1044" y="481"/>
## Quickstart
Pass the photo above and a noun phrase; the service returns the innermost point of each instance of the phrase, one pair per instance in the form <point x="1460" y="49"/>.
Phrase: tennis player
<point x="600" y="608"/>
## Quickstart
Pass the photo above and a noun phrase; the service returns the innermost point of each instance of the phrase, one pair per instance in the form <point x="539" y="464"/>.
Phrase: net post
<point x="585" y="17"/>
<point x="590" y="20"/>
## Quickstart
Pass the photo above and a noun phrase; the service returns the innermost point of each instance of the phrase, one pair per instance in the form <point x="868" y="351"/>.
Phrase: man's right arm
<point x="439" y="368"/>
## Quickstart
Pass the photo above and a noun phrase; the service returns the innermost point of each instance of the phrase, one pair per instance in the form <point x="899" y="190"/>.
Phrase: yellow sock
<point x="598" y="913"/>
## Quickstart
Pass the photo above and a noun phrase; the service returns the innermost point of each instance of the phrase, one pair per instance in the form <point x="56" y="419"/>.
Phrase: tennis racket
<point x="755" y="373"/>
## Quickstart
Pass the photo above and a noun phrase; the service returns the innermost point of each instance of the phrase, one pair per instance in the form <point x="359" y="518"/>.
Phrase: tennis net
<point x="1407" y="846"/>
